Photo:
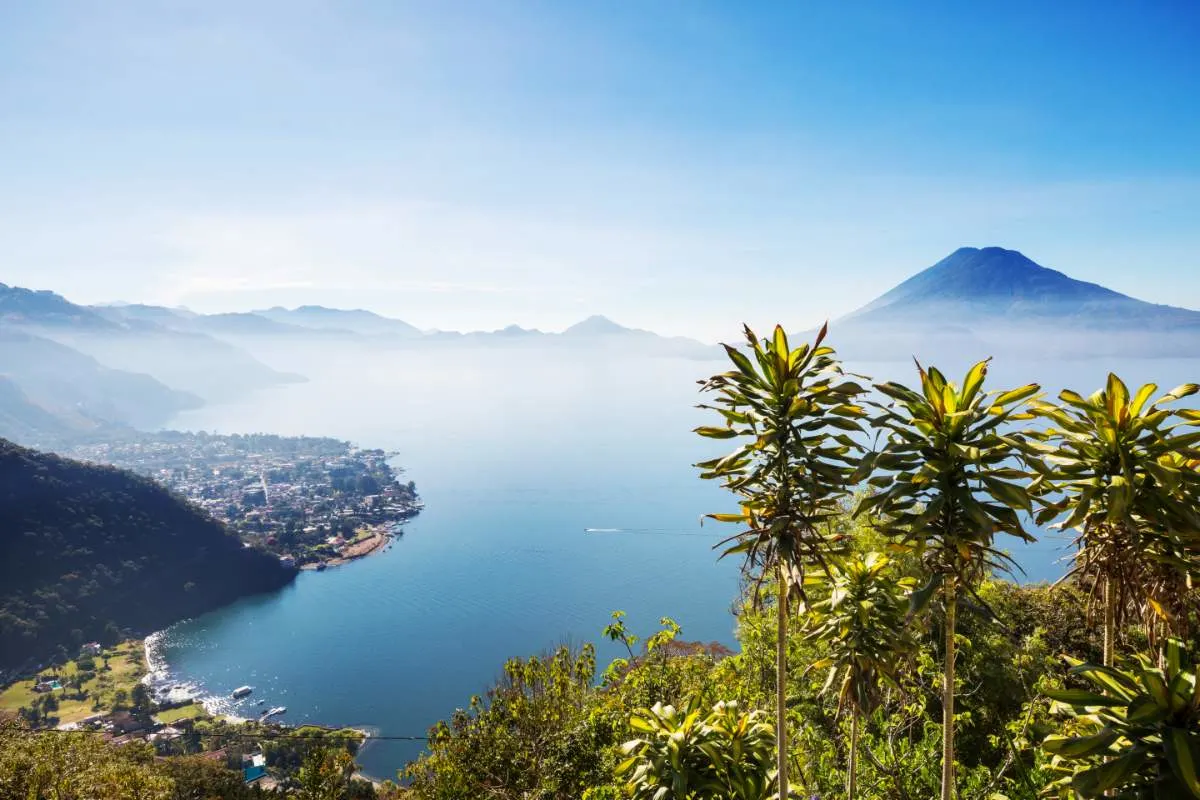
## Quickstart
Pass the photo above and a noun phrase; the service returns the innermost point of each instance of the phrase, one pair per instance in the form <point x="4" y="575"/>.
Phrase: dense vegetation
<point x="873" y="626"/>
<point x="881" y="654"/>
<point x="87" y="551"/>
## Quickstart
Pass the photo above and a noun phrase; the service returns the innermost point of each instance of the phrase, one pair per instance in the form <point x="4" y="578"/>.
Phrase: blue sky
<point x="682" y="166"/>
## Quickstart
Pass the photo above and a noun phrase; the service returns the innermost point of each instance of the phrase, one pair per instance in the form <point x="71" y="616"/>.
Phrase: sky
<point x="679" y="166"/>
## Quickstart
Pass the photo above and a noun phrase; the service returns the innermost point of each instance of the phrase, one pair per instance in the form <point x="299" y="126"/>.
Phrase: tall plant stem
<point x="852" y="771"/>
<point x="948" y="692"/>
<point x="1110" y="622"/>
<point x="781" y="639"/>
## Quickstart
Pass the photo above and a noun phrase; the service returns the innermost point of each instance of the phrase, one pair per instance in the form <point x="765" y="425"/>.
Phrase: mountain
<point x="994" y="301"/>
<point x="143" y="339"/>
<point x="78" y="391"/>
<point x="597" y="325"/>
<point x="85" y="550"/>
<point x="24" y="420"/>
<point x="28" y="307"/>
<point x="366" y="323"/>
<point x="998" y="284"/>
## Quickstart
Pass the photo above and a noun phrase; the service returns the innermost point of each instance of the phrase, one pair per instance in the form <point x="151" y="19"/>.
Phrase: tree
<point x="326" y="774"/>
<point x="793" y="411"/>
<point x="1120" y="466"/>
<point x="76" y="765"/>
<point x="860" y="625"/>
<point x="946" y="490"/>
<point x="682" y="755"/>
<point x="1138" y="732"/>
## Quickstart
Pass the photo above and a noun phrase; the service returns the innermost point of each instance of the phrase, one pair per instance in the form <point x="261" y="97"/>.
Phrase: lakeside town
<point x="314" y="502"/>
<point x="111" y="691"/>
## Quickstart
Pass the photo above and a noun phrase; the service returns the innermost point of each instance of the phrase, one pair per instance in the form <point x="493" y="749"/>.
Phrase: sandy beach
<point x="364" y="547"/>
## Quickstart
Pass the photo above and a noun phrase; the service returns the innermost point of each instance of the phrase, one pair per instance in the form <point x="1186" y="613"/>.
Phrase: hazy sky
<point x="680" y="166"/>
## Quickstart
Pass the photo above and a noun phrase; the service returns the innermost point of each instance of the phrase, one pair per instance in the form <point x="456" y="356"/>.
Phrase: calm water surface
<point x="515" y="453"/>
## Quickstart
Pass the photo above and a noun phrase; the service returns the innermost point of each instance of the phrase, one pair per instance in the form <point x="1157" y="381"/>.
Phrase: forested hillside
<point x="86" y="550"/>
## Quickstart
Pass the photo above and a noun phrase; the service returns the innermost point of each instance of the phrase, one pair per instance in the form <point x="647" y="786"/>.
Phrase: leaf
<point x="1180" y="755"/>
<point x="1082" y="698"/>
<point x="716" y="433"/>
<point x="1143" y="395"/>
<point x="920" y="599"/>
<point x="1116" y="682"/>
<point x="1109" y="775"/>
<point x="1080" y="746"/>
<point x="1016" y="395"/>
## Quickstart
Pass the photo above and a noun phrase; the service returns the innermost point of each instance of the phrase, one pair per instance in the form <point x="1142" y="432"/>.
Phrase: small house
<point x="254" y="767"/>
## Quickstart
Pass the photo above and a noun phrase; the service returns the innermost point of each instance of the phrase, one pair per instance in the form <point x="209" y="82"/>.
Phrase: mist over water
<point x="517" y="453"/>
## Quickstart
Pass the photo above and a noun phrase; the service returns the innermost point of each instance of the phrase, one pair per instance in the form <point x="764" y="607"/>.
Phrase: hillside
<point x="79" y="391"/>
<point x="84" y="549"/>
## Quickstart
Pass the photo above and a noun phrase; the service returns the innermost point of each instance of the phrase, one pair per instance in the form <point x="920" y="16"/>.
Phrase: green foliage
<point x="1128" y="484"/>
<point x="946" y="488"/>
<point x="528" y="738"/>
<point x="860" y="625"/>
<point x="793" y="413"/>
<point x="326" y="774"/>
<point x="684" y="755"/>
<point x="76" y="767"/>
<point x="946" y="478"/>
<point x="546" y="732"/>
<point x="1135" y="733"/>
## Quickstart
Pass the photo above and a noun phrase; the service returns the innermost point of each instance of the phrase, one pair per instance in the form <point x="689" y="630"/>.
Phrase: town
<point x="314" y="502"/>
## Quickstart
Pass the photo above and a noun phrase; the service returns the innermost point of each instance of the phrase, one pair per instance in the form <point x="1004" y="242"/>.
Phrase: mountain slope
<point x="24" y="420"/>
<point x="83" y="548"/>
<point x="367" y="323"/>
<point x="26" y="306"/>
<point x="79" y="391"/>
<point x="991" y="284"/>
<point x="143" y="339"/>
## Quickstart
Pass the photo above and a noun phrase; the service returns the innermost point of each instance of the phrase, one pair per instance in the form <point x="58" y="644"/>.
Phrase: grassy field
<point x="169" y="716"/>
<point x="126" y="666"/>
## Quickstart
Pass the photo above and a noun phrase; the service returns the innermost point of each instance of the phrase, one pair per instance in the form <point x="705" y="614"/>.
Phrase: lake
<point x="515" y="453"/>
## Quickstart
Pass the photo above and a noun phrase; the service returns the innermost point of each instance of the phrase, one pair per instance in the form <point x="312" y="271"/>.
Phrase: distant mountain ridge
<point x="123" y="365"/>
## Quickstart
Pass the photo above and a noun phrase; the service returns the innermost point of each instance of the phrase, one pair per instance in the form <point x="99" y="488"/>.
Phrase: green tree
<point x="684" y="755"/>
<point x="859" y="625"/>
<point x="1136" y="735"/>
<point x="946" y="488"/>
<point x="793" y="412"/>
<point x="1116" y="458"/>
<point x="325" y="774"/>
<point x="76" y="766"/>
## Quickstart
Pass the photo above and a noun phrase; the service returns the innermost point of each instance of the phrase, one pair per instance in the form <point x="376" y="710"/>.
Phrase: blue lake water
<point x="515" y="454"/>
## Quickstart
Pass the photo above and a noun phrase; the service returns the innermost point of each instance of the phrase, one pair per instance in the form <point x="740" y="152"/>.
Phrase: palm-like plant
<point x="860" y="624"/>
<point x="1136" y="736"/>
<point x="793" y="411"/>
<point x="946" y="488"/>
<point x="1122" y="467"/>
<point x="682" y="755"/>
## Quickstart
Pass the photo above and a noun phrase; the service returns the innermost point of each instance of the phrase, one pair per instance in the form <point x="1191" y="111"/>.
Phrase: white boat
<point x="276" y="711"/>
<point x="241" y="691"/>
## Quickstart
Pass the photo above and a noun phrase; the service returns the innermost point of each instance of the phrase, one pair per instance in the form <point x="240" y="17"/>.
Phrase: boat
<point x="274" y="712"/>
<point x="241" y="691"/>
